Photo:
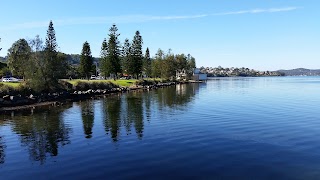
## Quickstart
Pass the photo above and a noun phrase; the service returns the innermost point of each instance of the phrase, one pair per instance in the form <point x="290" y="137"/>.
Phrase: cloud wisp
<point x="136" y="18"/>
<point x="256" y="11"/>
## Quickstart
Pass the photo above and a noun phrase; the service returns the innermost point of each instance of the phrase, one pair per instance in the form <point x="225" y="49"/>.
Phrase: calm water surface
<point x="228" y="128"/>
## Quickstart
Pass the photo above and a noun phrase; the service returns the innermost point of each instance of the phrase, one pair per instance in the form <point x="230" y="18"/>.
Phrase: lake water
<point x="227" y="128"/>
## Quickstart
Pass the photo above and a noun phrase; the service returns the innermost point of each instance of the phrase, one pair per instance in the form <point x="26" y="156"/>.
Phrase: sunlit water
<point x="227" y="128"/>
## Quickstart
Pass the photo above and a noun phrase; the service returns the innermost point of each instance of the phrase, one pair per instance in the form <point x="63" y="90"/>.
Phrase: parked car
<point x="93" y="77"/>
<point x="10" y="79"/>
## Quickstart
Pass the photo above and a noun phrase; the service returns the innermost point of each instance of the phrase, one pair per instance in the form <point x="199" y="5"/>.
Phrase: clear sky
<point x="258" y="34"/>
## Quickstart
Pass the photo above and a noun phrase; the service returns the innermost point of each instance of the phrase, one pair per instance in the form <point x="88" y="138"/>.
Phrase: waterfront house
<point x="198" y="76"/>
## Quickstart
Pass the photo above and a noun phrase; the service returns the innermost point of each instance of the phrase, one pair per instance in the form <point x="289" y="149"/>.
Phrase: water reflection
<point x="42" y="133"/>
<point x="135" y="112"/>
<point x="43" y="130"/>
<point x="2" y="153"/>
<point x="131" y="110"/>
<point x="178" y="96"/>
<point x="111" y="116"/>
<point x="87" y="115"/>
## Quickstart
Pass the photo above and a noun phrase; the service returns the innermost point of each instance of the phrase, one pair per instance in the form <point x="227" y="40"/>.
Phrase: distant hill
<point x="301" y="72"/>
<point x="74" y="59"/>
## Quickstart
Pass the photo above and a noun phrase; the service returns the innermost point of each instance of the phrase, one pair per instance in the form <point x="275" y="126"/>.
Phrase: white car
<point x="11" y="79"/>
<point x="93" y="77"/>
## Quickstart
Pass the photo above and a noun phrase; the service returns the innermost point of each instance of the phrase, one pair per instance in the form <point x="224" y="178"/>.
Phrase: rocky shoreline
<point x="18" y="102"/>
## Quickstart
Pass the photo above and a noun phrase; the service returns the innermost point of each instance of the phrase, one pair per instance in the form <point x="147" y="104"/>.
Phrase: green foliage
<point x="166" y="65"/>
<point x="104" y="63"/>
<point x="5" y="89"/>
<point x="126" y="57"/>
<point x="147" y="63"/>
<point x="47" y="64"/>
<point x="169" y="67"/>
<point x="86" y="61"/>
<point x="86" y="85"/>
<point x="4" y="70"/>
<point x="136" y="62"/>
<point x="19" y="57"/>
<point x="110" y="53"/>
<point x="156" y="64"/>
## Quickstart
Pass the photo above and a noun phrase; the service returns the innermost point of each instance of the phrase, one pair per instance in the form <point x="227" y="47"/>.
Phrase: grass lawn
<point x="120" y="82"/>
<point x="12" y="84"/>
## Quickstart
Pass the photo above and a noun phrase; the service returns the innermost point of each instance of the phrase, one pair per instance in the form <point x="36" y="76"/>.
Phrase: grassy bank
<point x="11" y="84"/>
<point x="120" y="82"/>
<point x="8" y="88"/>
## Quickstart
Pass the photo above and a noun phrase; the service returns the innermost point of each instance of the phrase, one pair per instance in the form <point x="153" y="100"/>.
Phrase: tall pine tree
<point x="113" y="51"/>
<point x="147" y="63"/>
<point x="49" y="66"/>
<point x="126" y="57"/>
<point x="105" y="65"/>
<point x="51" y="54"/>
<point x="137" y="56"/>
<point x="86" y="61"/>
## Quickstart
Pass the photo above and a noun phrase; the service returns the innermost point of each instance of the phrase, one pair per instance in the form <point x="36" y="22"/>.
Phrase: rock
<point x="6" y="97"/>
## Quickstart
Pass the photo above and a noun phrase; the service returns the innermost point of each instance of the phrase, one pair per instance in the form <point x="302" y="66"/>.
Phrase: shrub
<point x="83" y="86"/>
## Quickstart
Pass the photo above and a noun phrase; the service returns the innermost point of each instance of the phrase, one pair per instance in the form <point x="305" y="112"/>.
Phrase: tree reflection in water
<point x="111" y="116"/>
<point x="42" y="132"/>
<point x="130" y="110"/>
<point x="87" y="115"/>
<point x="135" y="112"/>
<point x="2" y="153"/>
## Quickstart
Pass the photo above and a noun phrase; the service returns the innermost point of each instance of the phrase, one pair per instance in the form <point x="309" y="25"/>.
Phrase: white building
<point x="198" y="76"/>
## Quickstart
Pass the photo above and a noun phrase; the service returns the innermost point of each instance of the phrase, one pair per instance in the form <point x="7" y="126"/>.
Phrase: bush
<point x="64" y="85"/>
<point x="83" y="86"/>
<point x="6" y="90"/>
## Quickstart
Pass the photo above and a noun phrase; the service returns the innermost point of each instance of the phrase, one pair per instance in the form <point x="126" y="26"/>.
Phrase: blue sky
<point x="260" y="34"/>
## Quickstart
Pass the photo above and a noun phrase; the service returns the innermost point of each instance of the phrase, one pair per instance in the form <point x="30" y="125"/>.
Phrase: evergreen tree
<point x="113" y="51"/>
<point x="49" y="66"/>
<point x="105" y="65"/>
<point x="86" y="61"/>
<point x="18" y="57"/>
<point x="137" y="56"/>
<point x="147" y="63"/>
<point x="50" y="57"/>
<point x="126" y="57"/>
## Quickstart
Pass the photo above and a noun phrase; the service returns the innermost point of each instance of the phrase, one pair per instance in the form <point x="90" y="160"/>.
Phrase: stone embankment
<point x="17" y="102"/>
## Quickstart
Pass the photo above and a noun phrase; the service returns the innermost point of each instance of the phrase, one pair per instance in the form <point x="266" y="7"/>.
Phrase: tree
<point x="19" y="57"/>
<point x="191" y="61"/>
<point x="86" y="61"/>
<point x="156" y="64"/>
<point x="147" y="63"/>
<point x="126" y="56"/>
<point x="169" y="67"/>
<point x="105" y="65"/>
<point x="48" y="64"/>
<point x="111" y="53"/>
<point x="182" y="62"/>
<point x="137" y="56"/>
<point x="0" y="41"/>
<point x="50" y="56"/>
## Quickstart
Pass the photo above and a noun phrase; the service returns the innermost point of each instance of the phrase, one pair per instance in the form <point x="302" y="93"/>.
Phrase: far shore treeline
<point x="41" y="65"/>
